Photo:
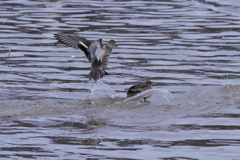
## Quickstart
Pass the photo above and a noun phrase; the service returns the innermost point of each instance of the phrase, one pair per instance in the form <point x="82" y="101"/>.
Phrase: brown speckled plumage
<point x="139" y="88"/>
<point x="109" y="46"/>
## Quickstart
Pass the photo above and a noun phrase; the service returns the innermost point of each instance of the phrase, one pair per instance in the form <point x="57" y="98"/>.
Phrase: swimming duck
<point x="139" y="88"/>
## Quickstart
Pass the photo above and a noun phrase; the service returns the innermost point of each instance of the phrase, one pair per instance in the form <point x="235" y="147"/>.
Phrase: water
<point x="189" y="49"/>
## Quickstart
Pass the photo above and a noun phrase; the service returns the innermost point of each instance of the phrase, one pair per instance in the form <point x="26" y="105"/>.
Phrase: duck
<point x="96" y="52"/>
<point x="139" y="88"/>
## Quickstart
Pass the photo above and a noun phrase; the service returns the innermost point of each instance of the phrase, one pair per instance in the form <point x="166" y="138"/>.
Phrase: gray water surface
<point x="189" y="49"/>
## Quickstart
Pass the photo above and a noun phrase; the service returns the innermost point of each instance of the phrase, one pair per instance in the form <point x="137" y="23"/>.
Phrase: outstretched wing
<point x="76" y="42"/>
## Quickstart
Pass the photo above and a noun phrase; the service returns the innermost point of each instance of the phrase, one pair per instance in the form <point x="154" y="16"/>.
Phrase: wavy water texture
<point x="189" y="49"/>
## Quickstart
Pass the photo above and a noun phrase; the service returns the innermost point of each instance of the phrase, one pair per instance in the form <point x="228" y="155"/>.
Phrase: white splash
<point x="101" y="93"/>
<point x="154" y="96"/>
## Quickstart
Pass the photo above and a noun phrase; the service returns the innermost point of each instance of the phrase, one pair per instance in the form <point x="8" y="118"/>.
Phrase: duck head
<point x="112" y="43"/>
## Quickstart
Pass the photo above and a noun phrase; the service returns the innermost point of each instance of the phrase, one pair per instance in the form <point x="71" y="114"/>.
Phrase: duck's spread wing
<point x="76" y="42"/>
<point x="72" y="41"/>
